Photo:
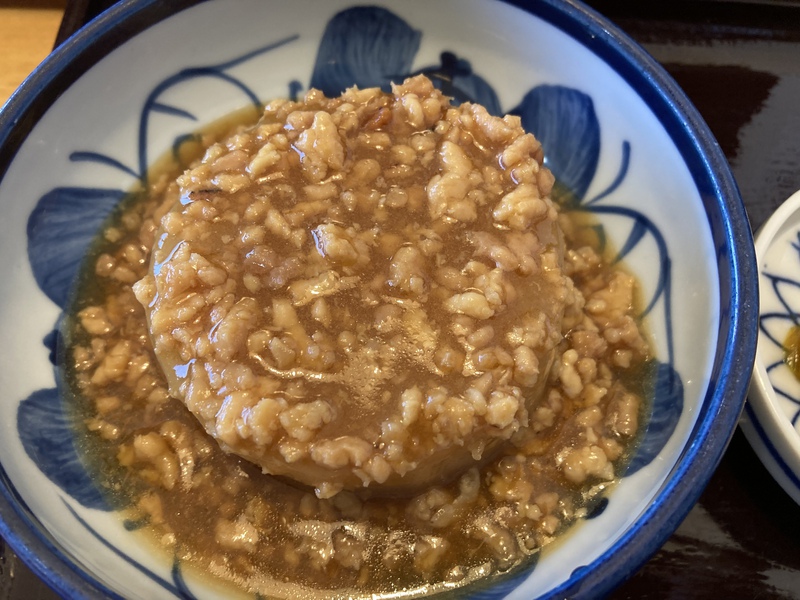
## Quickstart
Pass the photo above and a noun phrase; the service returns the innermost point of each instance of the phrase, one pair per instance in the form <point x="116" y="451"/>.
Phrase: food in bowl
<point x="339" y="296"/>
<point x="373" y="296"/>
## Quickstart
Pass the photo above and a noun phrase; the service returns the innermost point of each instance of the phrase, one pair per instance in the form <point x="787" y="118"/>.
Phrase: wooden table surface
<point x="27" y="32"/>
<point x="739" y="62"/>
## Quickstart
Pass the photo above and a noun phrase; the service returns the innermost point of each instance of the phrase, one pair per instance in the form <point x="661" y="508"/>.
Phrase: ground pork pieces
<point x="366" y="290"/>
<point x="363" y="292"/>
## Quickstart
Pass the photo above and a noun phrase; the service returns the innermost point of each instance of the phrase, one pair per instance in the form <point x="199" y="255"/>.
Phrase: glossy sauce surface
<point x="222" y="515"/>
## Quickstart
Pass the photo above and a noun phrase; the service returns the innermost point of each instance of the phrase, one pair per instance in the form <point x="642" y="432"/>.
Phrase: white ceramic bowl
<point x="617" y="130"/>
<point x="771" y="420"/>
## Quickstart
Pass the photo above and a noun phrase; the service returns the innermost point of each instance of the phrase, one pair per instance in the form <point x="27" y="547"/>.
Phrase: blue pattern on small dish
<point x="771" y="420"/>
<point x="783" y="289"/>
<point x="775" y="326"/>
<point x="458" y="70"/>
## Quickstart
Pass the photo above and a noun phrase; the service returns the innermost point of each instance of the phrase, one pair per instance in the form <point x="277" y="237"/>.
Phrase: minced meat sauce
<point x="404" y="369"/>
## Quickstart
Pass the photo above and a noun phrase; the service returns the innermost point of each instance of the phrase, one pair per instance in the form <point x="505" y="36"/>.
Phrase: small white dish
<point x="771" y="419"/>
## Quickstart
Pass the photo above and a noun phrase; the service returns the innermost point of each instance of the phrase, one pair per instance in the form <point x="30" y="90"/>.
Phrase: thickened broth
<point x="422" y="265"/>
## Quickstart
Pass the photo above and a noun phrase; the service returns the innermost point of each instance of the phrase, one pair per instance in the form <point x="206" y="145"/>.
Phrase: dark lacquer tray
<point x="739" y="62"/>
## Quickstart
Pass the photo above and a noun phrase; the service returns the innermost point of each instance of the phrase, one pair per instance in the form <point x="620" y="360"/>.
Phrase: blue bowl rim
<point x="709" y="168"/>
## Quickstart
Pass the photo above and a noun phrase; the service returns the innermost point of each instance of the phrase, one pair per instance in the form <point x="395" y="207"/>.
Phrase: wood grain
<point x="27" y="34"/>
